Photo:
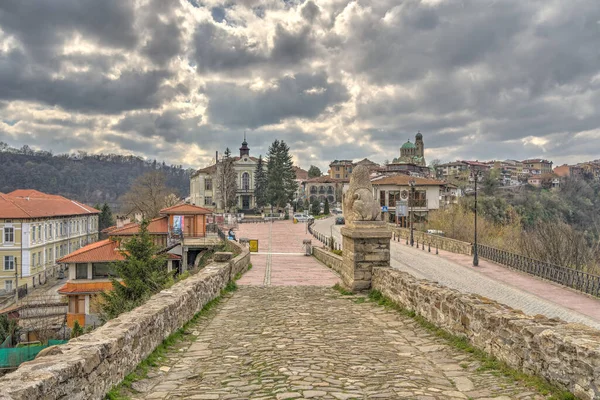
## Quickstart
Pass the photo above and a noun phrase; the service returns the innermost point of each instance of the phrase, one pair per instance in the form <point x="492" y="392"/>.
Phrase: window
<point x="39" y="258"/>
<point x="208" y="201"/>
<point x="382" y="198"/>
<point x="8" y="286"/>
<point x="33" y="259"/>
<point x="245" y="181"/>
<point x="208" y="184"/>
<point x="9" y="263"/>
<point x="337" y="168"/>
<point x="101" y="270"/>
<point x="337" y="176"/>
<point x="81" y="271"/>
<point x="9" y="235"/>
<point x="50" y="231"/>
<point x="33" y="233"/>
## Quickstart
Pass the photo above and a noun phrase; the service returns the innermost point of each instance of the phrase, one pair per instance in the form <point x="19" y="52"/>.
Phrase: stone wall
<point x="444" y="243"/>
<point x="89" y="366"/>
<point x="333" y="261"/>
<point x="567" y="355"/>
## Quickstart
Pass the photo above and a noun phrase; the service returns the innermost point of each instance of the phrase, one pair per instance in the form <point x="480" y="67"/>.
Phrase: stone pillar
<point x="366" y="245"/>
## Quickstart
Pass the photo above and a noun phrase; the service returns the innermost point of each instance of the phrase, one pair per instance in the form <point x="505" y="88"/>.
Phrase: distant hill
<point x="83" y="177"/>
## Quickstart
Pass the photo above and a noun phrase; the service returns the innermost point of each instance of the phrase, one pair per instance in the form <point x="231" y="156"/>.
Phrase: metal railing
<point x="578" y="280"/>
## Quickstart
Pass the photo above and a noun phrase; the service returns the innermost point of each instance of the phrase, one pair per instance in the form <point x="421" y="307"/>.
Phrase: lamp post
<point x="475" y="255"/>
<point x="411" y="183"/>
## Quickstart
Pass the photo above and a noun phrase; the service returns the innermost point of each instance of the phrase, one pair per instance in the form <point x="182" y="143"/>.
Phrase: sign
<point x="178" y="224"/>
<point x="253" y="243"/>
<point x="384" y="208"/>
<point x="401" y="209"/>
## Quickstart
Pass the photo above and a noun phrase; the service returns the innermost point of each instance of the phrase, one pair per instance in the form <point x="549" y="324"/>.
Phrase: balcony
<point x="210" y="237"/>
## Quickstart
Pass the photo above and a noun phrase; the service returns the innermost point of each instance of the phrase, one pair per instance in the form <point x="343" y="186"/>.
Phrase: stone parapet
<point x="333" y="261"/>
<point x="443" y="243"/>
<point x="366" y="245"/>
<point x="567" y="355"/>
<point x="89" y="366"/>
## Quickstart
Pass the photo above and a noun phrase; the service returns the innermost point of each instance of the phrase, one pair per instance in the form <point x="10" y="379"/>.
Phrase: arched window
<point x="313" y="198"/>
<point x="246" y="181"/>
<point x="313" y="190"/>
<point x="331" y="199"/>
<point x="321" y="189"/>
<point x="330" y="190"/>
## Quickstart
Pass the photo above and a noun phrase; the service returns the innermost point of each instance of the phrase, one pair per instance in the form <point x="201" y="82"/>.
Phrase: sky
<point x="336" y="79"/>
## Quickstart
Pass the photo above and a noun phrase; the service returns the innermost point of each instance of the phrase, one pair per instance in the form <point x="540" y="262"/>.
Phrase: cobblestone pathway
<point x="296" y="340"/>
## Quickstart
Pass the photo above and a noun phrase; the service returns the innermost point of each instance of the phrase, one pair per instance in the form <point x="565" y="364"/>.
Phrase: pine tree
<point x="105" y="219"/>
<point x="315" y="208"/>
<point x="281" y="184"/>
<point x="143" y="273"/>
<point x="260" y="184"/>
<point x="326" y="207"/>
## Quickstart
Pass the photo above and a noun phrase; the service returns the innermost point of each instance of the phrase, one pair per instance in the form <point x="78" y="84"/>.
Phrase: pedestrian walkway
<point x="285" y="334"/>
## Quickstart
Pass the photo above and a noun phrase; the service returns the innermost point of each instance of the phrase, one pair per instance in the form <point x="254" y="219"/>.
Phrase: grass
<point x="488" y="363"/>
<point x="337" y="252"/>
<point x="342" y="290"/>
<point x="159" y="354"/>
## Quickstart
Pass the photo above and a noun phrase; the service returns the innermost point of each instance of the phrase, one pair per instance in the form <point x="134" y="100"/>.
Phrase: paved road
<point x="290" y="336"/>
<point x="520" y="291"/>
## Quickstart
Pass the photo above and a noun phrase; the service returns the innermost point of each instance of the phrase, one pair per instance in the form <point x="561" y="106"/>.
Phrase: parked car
<point x="340" y="221"/>
<point x="303" y="217"/>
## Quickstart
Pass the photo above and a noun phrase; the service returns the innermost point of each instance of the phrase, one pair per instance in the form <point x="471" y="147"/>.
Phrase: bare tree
<point x="148" y="195"/>
<point x="226" y="182"/>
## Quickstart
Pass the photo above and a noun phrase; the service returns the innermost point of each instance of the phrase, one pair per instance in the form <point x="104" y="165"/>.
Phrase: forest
<point x="88" y="178"/>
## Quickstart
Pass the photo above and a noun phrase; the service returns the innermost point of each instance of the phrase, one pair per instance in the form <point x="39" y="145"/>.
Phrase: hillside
<point x="84" y="177"/>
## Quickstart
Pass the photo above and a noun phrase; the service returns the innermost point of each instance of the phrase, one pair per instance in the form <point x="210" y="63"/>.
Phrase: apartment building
<point x="538" y="164"/>
<point x="37" y="229"/>
<point x="341" y="169"/>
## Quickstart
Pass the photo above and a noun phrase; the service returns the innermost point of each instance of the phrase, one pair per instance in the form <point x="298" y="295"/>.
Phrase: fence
<point x="325" y="239"/>
<point x="578" y="280"/>
<point x="13" y="357"/>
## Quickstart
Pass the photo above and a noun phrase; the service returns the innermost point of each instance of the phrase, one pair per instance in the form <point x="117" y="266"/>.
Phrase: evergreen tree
<point x="143" y="273"/>
<point x="314" y="172"/>
<point x="260" y="183"/>
<point x="326" y="207"/>
<point x="306" y="204"/>
<point x="315" y="208"/>
<point x="105" y="219"/>
<point x="281" y="184"/>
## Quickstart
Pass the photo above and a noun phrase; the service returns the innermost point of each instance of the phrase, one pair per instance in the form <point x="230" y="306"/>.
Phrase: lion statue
<point x="359" y="204"/>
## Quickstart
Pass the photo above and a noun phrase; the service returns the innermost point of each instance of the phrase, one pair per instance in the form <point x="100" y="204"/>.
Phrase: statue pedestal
<point x="366" y="245"/>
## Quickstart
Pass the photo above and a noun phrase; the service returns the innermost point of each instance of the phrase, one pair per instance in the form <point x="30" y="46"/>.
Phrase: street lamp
<point x="475" y="255"/>
<point x="411" y="183"/>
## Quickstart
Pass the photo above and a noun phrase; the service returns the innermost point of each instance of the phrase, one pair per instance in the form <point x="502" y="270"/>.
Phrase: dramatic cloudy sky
<point x="178" y="80"/>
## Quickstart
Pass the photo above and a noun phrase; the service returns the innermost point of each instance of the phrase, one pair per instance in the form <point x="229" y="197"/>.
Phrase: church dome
<point x="408" y="145"/>
<point x="419" y="136"/>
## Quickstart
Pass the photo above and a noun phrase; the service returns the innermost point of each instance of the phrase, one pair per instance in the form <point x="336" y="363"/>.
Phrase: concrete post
<point x="366" y="245"/>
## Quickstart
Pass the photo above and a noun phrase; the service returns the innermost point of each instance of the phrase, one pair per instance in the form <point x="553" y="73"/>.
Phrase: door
<point x="245" y="202"/>
<point x="188" y="226"/>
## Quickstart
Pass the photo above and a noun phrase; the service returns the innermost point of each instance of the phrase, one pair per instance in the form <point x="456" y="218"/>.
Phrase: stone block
<point x="222" y="256"/>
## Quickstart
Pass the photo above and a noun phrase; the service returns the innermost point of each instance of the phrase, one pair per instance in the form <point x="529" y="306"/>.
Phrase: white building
<point x="203" y="184"/>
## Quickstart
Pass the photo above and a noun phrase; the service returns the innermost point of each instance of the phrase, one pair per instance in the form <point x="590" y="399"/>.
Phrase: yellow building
<point x="37" y="229"/>
<point x="543" y="166"/>
<point x="340" y="169"/>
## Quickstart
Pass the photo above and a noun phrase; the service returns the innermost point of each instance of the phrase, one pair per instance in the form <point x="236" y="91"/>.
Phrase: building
<point x="412" y="153"/>
<point x="181" y="232"/>
<point x="543" y="166"/>
<point x="37" y="229"/>
<point x="203" y="182"/>
<point x="569" y="171"/>
<point x="407" y="169"/>
<point x="452" y="169"/>
<point x="394" y="194"/>
<point x="322" y="188"/>
<point x="341" y="169"/>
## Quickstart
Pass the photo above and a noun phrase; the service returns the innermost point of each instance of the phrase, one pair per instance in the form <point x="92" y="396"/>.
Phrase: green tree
<point x="143" y="273"/>
<point x="314" y="172"/>
<point x="9" y="327"/>
<point x="326" y="207"/>
<point x="105" y="219"/>
<point x="227" y="181"/>
<point x="281" y="182"/>
<point x="315" y="208"/>
<point x="77" y="330"/>
<point x="260" y="183"/>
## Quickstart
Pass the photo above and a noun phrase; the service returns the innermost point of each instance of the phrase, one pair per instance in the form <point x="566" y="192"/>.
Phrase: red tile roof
<point x="102" y="251"/>
<point x="157" y="226"/>
<point x="33" y="204"/>
<point x="402" y="180"/>
<point x="185" y="209"/>
<point x="326" y="179"/>
<point x="85" y="287"/>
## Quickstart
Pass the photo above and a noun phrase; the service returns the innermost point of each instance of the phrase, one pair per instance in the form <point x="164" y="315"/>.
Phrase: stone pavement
<point x="513" y="288"/>
<point x="291" y="336"/>
<point x="281" y="259"/>
<point x="291" y="342"/>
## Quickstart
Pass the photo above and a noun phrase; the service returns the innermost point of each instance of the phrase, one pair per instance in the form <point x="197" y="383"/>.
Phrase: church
<point x="412" y="153"/>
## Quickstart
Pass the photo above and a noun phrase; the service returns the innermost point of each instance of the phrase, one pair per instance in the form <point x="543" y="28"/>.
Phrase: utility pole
<point x="16" y="280"/>
<point x="475" y="255"/>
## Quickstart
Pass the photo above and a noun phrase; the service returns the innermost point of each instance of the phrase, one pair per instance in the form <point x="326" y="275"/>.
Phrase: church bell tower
<point x="420" y="145"/>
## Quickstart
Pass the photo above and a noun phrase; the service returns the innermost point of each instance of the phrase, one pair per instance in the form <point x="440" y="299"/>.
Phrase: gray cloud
<point x="301" y="95"/>
<point x="169" y="125"/>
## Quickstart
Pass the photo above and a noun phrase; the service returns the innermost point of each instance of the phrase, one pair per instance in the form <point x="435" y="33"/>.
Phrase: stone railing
<point x="89" y="366"/>
<point x="333" y="261"/>
<point x="443" y="243"/>
<point x="567" y="355"/>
